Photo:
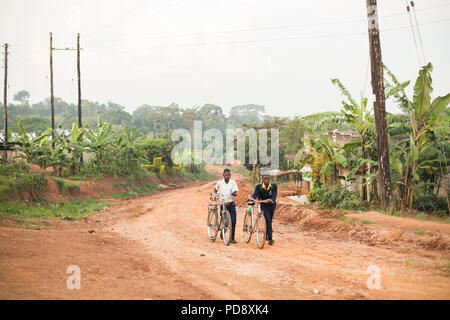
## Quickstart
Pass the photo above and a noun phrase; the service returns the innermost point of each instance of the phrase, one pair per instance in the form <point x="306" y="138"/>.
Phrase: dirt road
<point x="156" y="247"/>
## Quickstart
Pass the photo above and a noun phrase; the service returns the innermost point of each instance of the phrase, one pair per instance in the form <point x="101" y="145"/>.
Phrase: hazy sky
<point x="281" y="54"/>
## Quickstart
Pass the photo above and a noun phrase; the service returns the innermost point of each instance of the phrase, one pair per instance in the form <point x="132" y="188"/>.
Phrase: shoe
<point x="271" y="242"/>
<point x="233" y="241"/>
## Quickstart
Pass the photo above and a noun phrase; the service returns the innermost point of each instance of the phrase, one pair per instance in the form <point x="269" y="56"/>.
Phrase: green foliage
<point x="430" y="202"/>
<point x="418" y="158"/>
<point x="17" y="178"/>
<point x="134" y="191"/>
<point x="31" y="123"/>
<point x="43" y="209"/>
<point x="196" y="173"/>
<point x="66" y="186"/>
<point x="317" y="192"/>
<point x="337" y="197"/>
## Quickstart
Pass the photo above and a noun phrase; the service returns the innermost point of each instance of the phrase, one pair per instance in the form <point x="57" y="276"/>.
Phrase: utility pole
<point x="5" y="107"/>
<point x="376" y="64"/>
<point x="52" y="98"/>
<point x="80" y="123"/>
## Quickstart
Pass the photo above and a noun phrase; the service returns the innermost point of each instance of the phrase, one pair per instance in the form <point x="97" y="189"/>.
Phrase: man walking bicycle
<point x="267" y="191"/>
<point x="228" y="188"/>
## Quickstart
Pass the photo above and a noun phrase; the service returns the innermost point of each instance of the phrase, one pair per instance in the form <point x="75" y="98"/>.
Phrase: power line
<point x="274" y="39"/>
<point x="127" y="16"/>
<point x="144" y="37"/>
<point x="412" y="29"/>
<point x="418" y="31"/>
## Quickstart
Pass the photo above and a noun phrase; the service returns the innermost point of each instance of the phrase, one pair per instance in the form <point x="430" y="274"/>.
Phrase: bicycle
<point x="254" y="224"/>
<point x="213" y="223"/>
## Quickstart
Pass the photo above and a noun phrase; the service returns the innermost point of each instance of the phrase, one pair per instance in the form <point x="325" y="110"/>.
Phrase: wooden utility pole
<point x="5" y="106"/>
<point x="79" y="81"/>
<point x="384" y="171"/>
<point x="52" y="98"/>
<point x="80" y="122"/>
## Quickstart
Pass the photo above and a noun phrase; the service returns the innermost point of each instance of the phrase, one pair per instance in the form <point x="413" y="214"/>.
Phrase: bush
<point x="317" y="192"/>
<point x="65" y="186"/>
<point x="16" y="178"/>
<point x="430" y="202"/>
<point x="337" y="197"/>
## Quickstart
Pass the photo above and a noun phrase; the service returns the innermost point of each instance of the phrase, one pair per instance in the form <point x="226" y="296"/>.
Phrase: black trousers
<point x="231" y="208"/>
<point x="268" y="210"/>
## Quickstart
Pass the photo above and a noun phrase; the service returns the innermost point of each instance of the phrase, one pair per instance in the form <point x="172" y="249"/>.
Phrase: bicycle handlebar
<point x="258" y="201"/>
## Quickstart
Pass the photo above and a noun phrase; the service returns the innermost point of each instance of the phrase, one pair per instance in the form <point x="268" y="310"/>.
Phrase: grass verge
<point x="66" y="186"/>
<point x="72" y="210"/>
<point x="134" y="192"/>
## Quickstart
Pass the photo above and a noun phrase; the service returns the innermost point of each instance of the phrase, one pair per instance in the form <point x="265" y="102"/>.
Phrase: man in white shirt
<point x="228" y="188"/>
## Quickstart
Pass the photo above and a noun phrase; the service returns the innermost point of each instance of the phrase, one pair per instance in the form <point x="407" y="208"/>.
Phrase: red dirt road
<point x="156" y="247"/>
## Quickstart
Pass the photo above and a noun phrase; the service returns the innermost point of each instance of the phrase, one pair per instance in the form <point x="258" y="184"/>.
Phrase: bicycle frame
<point x="254" y="222"/>
<point x="258" y="214"/>
<point x="219" y="225"/>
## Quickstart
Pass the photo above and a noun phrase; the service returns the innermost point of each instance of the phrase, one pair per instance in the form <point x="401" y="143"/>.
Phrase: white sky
<point x="161" y="51"/>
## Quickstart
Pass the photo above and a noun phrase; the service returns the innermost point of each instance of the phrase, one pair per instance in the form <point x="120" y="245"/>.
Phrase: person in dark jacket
<point x="267" y="191"/>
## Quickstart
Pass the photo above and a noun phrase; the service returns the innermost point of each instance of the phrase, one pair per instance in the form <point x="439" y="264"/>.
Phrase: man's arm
<point x="216" y="187"/>
<point x="235" y="189"/>
<point x="274" y="192"/>
<point x="256" y="192"/>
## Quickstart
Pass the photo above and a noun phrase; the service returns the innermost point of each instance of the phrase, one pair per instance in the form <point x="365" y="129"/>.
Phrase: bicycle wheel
<point x="226" y="228"/>
<point x="212" y="225"/>
<point x="247" y="229"/>
<point x="260" y="231"/>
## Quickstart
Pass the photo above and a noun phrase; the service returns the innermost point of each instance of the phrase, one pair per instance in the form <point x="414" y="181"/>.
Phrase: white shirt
<point x="227" y="189"/>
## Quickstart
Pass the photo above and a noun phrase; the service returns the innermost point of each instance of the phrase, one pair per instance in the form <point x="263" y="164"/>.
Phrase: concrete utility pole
<point x="5" y="106"/>
<point x="384" y="171"/>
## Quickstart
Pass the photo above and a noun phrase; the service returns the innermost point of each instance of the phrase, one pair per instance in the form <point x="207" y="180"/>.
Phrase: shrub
<point x="65" y="186"/>
<point x="317" y="192"/>
<point x="337" y="197"/>
<point x="430" y="202"/>
<point x="16" y="178"/>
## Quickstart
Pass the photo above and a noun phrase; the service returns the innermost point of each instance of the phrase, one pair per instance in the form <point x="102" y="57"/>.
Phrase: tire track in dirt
<point x="174" y="233"/>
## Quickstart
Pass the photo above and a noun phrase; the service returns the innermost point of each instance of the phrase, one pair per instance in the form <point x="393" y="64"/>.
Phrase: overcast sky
<point x="280" y="54"/>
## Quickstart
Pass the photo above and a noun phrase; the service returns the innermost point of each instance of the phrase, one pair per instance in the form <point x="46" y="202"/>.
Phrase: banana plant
<point x="30" y="145"/>
<point x="129" y="150"/>
<point x="427" y="119"/>
<point x="325" y="158"/>
<point x="359" y="118"/>
<point x="99" y="142"/>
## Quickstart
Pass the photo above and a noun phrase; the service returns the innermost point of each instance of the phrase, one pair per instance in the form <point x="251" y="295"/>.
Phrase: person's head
<point x="266" y="179"/>
<point x="226" y="174"/>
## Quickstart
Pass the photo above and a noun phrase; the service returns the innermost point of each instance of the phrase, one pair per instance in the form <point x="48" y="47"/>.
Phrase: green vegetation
<point x="337" y="197"/>
<point x="66" y="186"/>
<point x="366" y="222"/>
<point x="119" y="143"/>
<point x="344" y="218"/>
<point x="419" y="232"/>
<point x="72" y="210"/>
<point x="418" y="144"/>
<point x="134" y="191"/>
<point x="17" y="178"/>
